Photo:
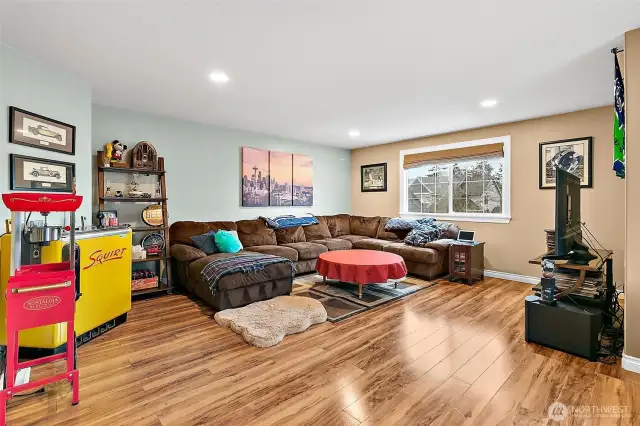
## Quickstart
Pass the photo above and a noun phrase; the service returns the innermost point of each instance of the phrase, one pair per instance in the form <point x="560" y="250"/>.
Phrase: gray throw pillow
<point x="206" y="242"/>
<point x="402" y="224"/>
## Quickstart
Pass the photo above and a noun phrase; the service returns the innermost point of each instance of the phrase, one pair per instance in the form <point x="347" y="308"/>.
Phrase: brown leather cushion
<point x="338" y="225"/>
<point x="290" y="235"/>
<point x="371" y="244"/>
<point x="181" y="232"/>
<point x="307" y="251"/>
<point x="335" y="244"/>
<point x="255" y="233"/>
<point x="282" y="251"/>
<point x="316" y="232"/>
<point x="271" y="272"/>
<point x="388" y="235"/>
<point x="367" y="226"/>
<point x="352" y="238"/>
<point x="185" y="253"/>
<point x="413" y="254"/>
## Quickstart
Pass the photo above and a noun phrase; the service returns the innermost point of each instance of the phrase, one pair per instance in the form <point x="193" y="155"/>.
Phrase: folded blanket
<point x="246" y="263"/>
<point x="281" y="222"/>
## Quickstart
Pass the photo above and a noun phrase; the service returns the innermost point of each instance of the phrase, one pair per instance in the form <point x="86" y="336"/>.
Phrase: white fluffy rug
<point x="265" y="324"/>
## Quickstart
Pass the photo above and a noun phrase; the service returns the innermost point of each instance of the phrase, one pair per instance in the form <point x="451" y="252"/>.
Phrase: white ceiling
<point x="314" y="69"/>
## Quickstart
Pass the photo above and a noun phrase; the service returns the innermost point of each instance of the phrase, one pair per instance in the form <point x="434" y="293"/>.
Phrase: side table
<point x="466" y="261"/>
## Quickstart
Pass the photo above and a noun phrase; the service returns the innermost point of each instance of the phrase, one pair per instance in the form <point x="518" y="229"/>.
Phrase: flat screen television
<point x="568" y="239"/>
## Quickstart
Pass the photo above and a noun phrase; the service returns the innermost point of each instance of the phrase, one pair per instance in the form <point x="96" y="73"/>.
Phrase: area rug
<point x="341" y="300"/>
<point x="265" y="324"/>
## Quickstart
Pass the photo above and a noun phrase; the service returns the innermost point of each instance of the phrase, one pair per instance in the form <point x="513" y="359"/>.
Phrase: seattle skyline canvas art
<point x="302" y="180"/>
<point x="281" y="179"/>
<point x="255" y="177"/>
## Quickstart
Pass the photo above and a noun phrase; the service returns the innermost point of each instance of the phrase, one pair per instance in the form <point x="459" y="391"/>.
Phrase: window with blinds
<point x="463" y="181"/>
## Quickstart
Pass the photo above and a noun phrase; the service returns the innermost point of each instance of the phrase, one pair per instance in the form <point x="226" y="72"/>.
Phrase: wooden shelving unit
<point x="162" y="200"/>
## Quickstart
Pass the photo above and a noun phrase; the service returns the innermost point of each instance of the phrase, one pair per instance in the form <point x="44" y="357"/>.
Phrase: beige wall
<point x="510" y="246"/>
<point x="632" y="100"/>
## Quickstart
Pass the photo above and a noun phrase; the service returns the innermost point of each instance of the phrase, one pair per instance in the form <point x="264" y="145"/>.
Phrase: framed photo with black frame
<point x="373" y="178"/>
<point x="39" y="174"/>
<point x="546" y="168"/>
<point x="38" y="131"/>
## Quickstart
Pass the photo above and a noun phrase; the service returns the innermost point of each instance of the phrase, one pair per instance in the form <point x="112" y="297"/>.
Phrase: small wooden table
<point x="466" y="261"/>
<point x="361" y="267"/>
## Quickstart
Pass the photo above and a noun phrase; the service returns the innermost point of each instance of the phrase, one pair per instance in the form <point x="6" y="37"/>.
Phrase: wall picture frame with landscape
<point x="38" y="131"/>
<point x="546" y="169"/>
<point x="280" y="179"/>
<point x="40" y="174"/>
<point x="302" y="180"/>
<point x="255" y="177"/>
<point x="373" y="178"/>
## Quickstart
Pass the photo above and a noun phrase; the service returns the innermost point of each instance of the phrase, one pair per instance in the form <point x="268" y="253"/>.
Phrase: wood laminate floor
<point x="449" y="355"/>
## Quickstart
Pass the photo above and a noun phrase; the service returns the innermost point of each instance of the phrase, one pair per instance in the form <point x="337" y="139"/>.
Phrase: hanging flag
<point x="618" y="123"/>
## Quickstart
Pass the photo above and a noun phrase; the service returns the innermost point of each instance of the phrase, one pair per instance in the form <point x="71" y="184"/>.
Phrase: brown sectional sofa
<point x="302" y="245"/>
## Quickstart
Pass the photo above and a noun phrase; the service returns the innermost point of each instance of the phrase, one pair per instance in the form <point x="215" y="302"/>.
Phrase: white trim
<point x="631" y="363"/>
<point x="505" y="217"/>
<point x="511" y="277"/>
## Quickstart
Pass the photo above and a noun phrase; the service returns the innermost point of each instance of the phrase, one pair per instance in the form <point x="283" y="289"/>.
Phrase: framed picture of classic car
<point x="27" y="128"/>
<point x="39" y="174"/>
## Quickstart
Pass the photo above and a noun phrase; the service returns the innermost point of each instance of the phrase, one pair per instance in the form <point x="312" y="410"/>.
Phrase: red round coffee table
<point x="361" y="267"/>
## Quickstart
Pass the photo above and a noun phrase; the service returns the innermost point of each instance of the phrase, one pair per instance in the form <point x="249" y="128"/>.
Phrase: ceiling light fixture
<point x="488" y="103"/>
<point x="219" y="77"/>
<point x="354" y="133"/>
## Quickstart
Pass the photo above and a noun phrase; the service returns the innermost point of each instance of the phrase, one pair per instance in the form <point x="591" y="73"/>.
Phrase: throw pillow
<point x="206" y="242"/>
<point x="448" y="230"/>
<point x="421" y="235"/>
<point x="402" y="224"/>
<point x="228" y="241"/>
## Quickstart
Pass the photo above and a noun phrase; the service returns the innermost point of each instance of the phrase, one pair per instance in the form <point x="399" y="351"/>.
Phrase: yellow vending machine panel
<point x="105" y="287"/>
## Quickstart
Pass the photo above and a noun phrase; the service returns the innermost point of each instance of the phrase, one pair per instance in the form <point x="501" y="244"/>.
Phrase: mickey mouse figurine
<point x="115" y="152"/>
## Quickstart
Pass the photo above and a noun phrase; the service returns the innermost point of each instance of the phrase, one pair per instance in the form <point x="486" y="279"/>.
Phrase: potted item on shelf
<point x="143" y="279"/>
<point x="134" y="188"/>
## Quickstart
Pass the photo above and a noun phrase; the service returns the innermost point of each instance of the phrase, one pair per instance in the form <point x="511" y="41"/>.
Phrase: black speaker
<point x="563" y="326"/>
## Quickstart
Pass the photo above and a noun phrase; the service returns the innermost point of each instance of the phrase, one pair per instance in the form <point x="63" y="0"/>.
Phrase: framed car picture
<point x="548" y="150"/>
<point x="39" y="174"/>
<point x="27" y="128"/>
<point x="373" y="177"/>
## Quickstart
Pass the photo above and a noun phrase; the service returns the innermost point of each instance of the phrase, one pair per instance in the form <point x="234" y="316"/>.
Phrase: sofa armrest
<point x="440" y="245"/>
<point x="185" y="253"/>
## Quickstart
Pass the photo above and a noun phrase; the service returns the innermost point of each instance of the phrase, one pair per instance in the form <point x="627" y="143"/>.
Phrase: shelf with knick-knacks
<point x="138" y="179"/>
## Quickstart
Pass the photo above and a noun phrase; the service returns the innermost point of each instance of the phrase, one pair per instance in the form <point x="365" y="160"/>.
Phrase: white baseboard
<point x="631" y="363"/>
<point x="511" y="277"/>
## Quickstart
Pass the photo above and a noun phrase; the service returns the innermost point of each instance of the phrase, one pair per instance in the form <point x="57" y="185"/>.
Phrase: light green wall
<point x="31" y="85"/>
<point x="203" y="165"/>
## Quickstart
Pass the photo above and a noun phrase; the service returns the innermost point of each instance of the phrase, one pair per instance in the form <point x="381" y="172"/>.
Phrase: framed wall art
<point x="30" y="129"/>
<point x="373" y="178"/>
<point x="546" y="168"/>
<point x="280" y="179"/>
<point x="255" y="177"/>
<point x="39" y="174"/>
<point x="302" y="180"/>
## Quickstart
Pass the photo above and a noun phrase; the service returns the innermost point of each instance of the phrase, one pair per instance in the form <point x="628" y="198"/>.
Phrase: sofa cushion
<point x="184" y="253"/>
<point x="317" y="232"/>
<point x="388" y="235"/>
<point x="371" y="244"/>
<point x="352" y="238"/>
<point x="255" y="233"/>
<point x="181" y="232"/>
<point x="335" y="244"/>
<point x="338" y="225"/>
<point x="413" y="254"/>
<point x="290" y="235"/>
<point x="448" y="230"/>
<point x="361" y="225"/>
<point x="282" y="251"/>
<point x="307" y="251"/>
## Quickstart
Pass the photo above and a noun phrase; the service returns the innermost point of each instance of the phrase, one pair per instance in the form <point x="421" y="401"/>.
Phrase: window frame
<point x="504" y="217"/>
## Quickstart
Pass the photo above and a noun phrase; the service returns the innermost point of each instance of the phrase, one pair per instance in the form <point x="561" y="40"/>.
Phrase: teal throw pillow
<point x="227" y="242"/>
<point x="206" y="242"/>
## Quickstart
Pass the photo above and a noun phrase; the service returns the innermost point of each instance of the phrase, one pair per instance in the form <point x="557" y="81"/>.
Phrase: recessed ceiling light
<point x="219" y="77"/>
<point x="488" y="103"/>
<point x="354" y="133"/>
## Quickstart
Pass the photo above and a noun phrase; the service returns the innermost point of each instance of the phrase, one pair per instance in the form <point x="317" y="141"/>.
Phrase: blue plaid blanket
<point x="281" y="222"/>
<point x="219" y="268"/>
